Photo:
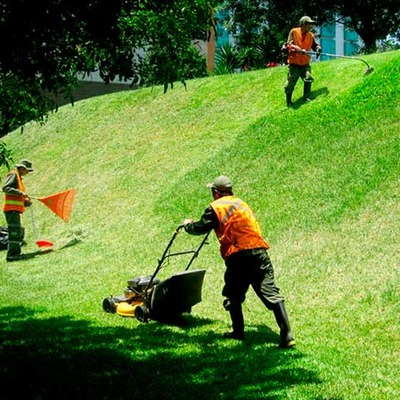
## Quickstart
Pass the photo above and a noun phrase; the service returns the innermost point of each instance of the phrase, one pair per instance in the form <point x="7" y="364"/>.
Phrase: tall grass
<point x="323" y="181"/>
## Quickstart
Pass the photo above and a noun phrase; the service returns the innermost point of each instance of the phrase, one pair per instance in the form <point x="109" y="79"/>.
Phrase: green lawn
<point x="323" y="180"/>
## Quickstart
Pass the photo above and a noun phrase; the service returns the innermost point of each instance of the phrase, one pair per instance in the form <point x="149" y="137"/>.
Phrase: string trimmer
<point x="367" y="71"/>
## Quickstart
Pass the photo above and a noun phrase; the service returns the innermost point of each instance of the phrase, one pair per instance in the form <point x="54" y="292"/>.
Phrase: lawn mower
<point x="147" y="298"/>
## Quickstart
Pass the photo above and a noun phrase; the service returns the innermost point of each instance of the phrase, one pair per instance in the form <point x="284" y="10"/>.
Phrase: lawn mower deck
<point x="147" y="298"/>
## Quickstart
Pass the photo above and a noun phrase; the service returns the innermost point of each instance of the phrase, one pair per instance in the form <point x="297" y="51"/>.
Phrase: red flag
<point x="60" y="203"/>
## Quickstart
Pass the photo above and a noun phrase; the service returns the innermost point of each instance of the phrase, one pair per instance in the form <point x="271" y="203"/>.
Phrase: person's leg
<point x="308" y="80"/>
<point x="292" y="78"/>
<point x="235" y="288"/>
<point x="263" y="283"/>
<point x="13" y="219"/>
<point x="235" y="311"/>
<point x="286" y="336"/>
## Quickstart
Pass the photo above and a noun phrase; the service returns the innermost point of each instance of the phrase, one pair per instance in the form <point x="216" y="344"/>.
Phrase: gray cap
<point x="25" y="164"/>
<point x="221" y="183"/>
<point x="306" y="20"/>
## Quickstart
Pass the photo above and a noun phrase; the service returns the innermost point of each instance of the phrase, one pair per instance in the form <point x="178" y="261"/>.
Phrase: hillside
<point x="323" y="179"/>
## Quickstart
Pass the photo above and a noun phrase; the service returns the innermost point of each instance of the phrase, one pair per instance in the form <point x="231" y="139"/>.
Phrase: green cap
<point x="221" y="183"/>
<point x="306" y="20"/>
<point x="25" y="164"/>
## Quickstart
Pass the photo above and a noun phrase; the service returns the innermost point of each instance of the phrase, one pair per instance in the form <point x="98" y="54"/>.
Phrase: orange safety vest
<point x="304" y="43"/>
<point x="15" y="202"/>
<point x="238" y="228"/>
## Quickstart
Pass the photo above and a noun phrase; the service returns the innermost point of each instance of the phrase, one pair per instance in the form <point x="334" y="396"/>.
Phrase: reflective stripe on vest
<point x="238" y="229"/>
<point x="15" y="202"/>
<point x="306" y="44"/>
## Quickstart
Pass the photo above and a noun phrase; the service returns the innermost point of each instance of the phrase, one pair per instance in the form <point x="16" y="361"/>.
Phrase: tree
<point x="260" y="27"/>
<point x="255" y="40"/>
<point x="46" y="43"/>
<point x="373" y="20"/>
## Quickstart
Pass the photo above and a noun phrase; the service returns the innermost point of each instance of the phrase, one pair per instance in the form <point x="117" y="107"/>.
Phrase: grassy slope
<point x="323" y="180"/>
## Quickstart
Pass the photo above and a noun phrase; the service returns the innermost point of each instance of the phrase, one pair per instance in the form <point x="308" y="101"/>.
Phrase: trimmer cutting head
<point x="368" y="70"/>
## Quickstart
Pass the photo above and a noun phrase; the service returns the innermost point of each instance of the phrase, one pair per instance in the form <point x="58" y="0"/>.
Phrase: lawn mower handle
<point x="166" y="255"/>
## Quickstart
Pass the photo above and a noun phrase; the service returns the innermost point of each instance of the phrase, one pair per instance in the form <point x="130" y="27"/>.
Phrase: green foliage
<point x="257" y="24"/>
<point x="390" y="43"/>
<point x="254" y="37"/>
<point x="49" y="42"/>
<point x="22" y="100"/>
<point x="227" y="60"/>
<point x="372" y="20"/>
<point x="322" y="178"/>
<point x="5" y="155"/>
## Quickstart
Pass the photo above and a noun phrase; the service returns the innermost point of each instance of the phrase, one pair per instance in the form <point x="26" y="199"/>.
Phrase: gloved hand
<point x="27" y="200"/>
<point x="318" y="52"/>
<point x="187" y="221"/>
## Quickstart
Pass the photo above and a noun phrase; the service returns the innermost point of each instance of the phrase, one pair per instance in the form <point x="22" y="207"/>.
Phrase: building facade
<point x="337" y="39"/>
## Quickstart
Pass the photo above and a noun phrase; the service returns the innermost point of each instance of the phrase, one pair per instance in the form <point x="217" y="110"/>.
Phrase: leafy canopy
<point x="260" y="27"/>
<point x="48" y="43"/>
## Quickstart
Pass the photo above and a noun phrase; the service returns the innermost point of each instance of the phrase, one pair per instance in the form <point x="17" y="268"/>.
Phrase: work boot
<point x="15" y="258"/>
<point x="307" y="91"/>
<point x="289" y="102"/>
<point x="286" y="338"/>
<point x="233" y="335"/>
<point x="235" y="311"/>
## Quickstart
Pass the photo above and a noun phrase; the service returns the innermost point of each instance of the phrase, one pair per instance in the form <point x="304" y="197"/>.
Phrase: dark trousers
<point x="295" y="73"/>
<point x="251" y="267"/>
<point x="245" y="268"/>
<point x="15" y="233"/>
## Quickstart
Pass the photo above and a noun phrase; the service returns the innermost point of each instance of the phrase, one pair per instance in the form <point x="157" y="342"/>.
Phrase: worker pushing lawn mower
<point x="245" y="253"/>
<point x="247" y="263"/>
<point x="147" y="298"/>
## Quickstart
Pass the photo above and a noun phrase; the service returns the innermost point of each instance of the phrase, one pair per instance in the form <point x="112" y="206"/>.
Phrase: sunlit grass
<point x="323" y="181"/>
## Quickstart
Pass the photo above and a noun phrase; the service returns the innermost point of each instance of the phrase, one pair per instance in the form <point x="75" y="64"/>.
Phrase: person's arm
<point x="290" y="37"/>
<point x="10" y="185"/>
<point x="206" y="223"/>
<point x="316" y="47"/>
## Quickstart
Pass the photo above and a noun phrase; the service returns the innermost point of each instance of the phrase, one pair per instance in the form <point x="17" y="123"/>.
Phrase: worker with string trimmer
<point x="300" y="41"/>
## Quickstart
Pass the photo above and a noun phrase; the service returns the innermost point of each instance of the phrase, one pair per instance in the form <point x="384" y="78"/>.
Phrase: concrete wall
<point x="89" y="89"/>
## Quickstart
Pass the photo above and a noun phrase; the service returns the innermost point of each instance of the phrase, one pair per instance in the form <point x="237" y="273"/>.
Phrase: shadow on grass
<point x="314" y="94"/>
<point x="63" y="358"/>
<point x="48" y="250"/>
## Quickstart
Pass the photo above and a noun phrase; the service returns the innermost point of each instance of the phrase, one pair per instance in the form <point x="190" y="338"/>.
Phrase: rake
<point x="40" y="243"/>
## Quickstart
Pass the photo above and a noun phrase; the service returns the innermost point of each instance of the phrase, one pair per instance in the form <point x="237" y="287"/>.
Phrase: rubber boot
<point x="307" y="91"/>
<point x="286" y="337"/>
<point x="14" y="243"/>
<point x="289" y="102"/>
<point x="235" y="311"/>
<point x="23" y="242"/>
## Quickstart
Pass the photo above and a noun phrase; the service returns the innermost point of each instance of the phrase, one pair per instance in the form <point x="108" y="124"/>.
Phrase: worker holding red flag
<point x="15" y="201"/>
